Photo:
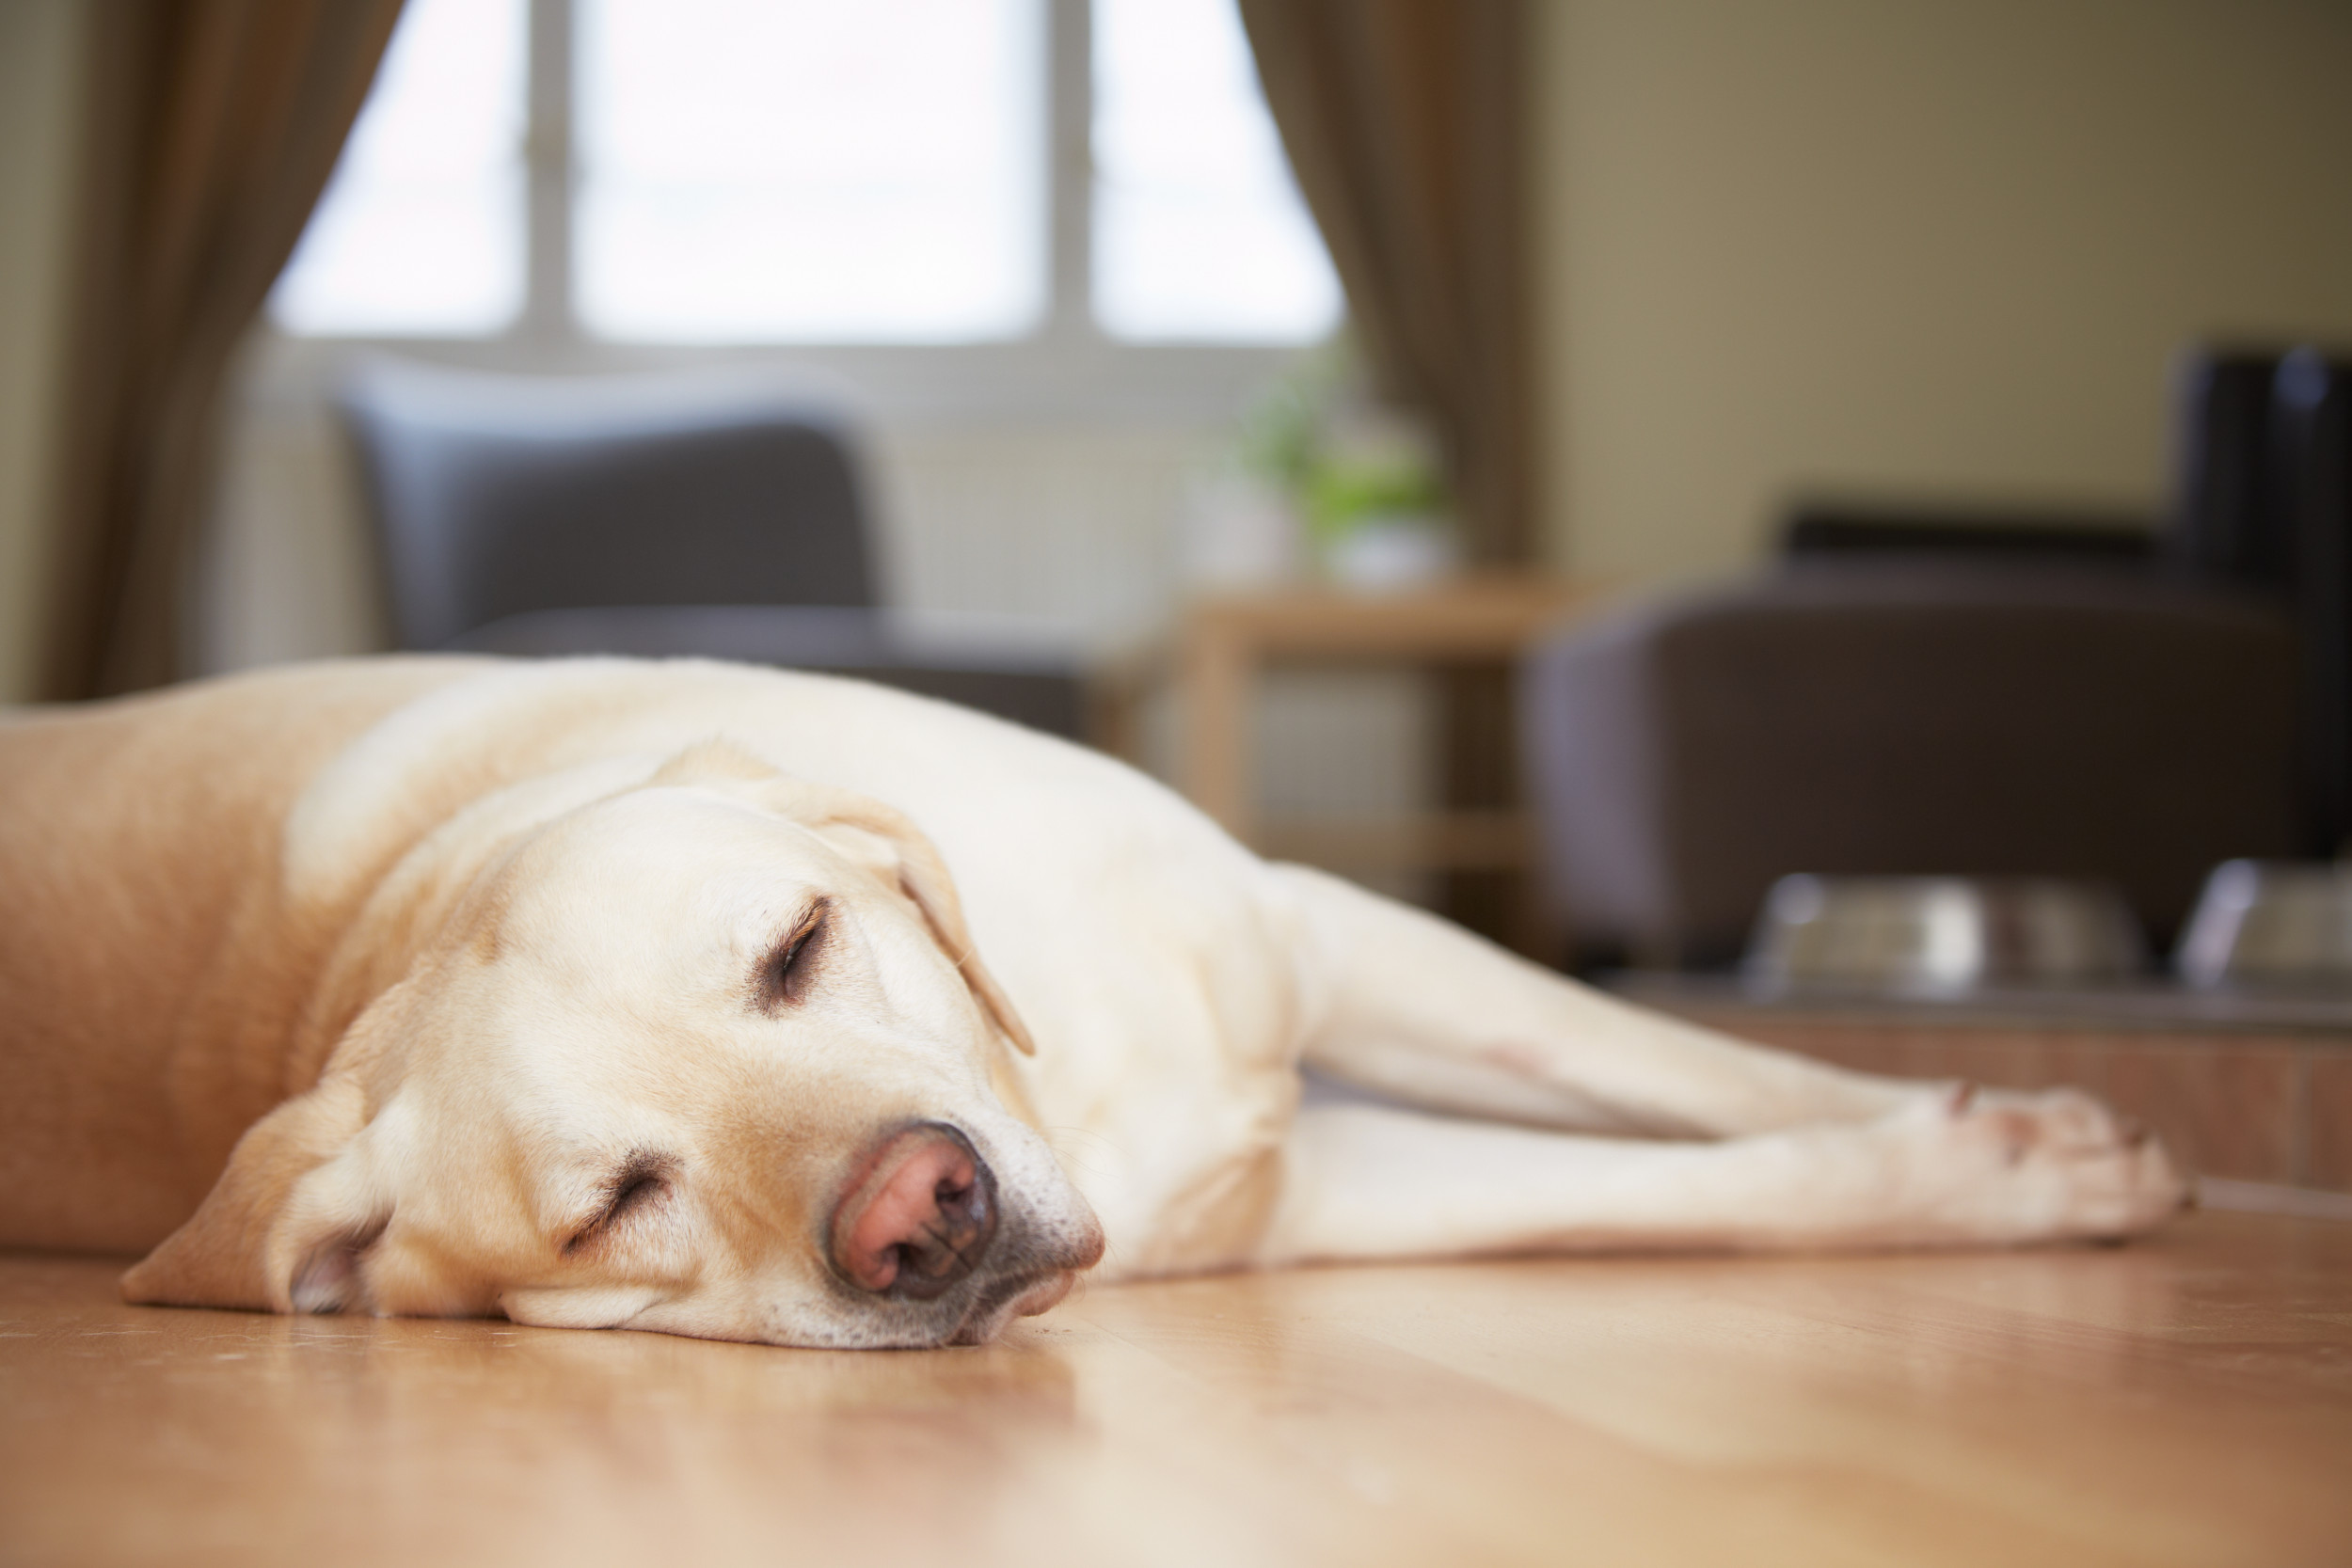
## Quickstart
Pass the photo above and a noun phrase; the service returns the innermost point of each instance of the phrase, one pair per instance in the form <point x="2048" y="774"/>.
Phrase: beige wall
<point x="1910" y="248"/>
<point x="39" y="67"/>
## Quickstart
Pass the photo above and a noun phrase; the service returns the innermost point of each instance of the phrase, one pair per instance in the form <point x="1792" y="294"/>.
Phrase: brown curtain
<point x="213" y="126"/>
<point x="1403" y="120"/>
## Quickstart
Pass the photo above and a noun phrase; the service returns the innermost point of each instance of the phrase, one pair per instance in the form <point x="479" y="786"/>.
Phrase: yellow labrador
<point x="762" y="1005"/>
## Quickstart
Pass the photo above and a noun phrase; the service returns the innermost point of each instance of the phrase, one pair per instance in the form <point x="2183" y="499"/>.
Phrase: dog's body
<point x="605" y="992"/>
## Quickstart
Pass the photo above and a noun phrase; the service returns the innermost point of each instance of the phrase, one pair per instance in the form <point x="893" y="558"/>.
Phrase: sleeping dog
<point x="762" y="1005"/>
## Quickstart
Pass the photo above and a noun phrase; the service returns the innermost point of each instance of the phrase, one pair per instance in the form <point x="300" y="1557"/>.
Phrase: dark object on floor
<point x="2226" y="525"/>
<point x="655" y="517"/>
<point x="2264" y="501"/>
<point x="2311" y="410"/>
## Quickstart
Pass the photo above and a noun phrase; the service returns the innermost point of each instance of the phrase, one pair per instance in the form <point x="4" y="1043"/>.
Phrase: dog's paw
<point x="2000" y="1166"/>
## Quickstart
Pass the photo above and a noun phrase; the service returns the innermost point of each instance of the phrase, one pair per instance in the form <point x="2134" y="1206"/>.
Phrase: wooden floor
<point x="2187" y="1400"/>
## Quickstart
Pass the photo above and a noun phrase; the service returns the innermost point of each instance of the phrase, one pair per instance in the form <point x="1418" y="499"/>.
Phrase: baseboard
<point x="2268" y="1198"/>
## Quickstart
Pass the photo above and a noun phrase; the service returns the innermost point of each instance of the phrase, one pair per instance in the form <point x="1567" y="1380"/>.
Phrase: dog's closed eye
<point x="638" y="1186"/>
<point x="786" y="973"/>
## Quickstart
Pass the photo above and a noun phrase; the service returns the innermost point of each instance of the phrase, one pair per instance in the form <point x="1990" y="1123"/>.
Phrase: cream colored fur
<point x="353" y="985"/>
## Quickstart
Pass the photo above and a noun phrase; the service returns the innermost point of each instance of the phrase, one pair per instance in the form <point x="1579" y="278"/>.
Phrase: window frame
<point x="1065" y="369"/>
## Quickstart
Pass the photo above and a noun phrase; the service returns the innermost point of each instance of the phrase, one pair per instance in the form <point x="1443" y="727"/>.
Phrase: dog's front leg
<point x="1366" y="1182"/>
<point x="1419" y="1009"/>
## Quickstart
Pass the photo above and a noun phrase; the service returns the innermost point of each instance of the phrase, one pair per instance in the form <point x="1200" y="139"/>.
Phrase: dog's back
<point x="138" y="849"/>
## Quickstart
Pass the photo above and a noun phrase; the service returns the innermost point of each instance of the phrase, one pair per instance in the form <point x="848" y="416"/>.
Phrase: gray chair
<point x="1893" y="717"/>
<point x="541" y="516"/>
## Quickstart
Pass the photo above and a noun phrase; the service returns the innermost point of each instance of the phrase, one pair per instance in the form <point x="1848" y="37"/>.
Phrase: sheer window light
<point x="421" y="229"/>
<point x="1199" y="233"/>
<point x="811" y="170"/>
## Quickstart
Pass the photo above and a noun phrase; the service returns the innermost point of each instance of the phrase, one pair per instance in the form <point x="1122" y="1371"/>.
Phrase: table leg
<point x="1218" y="671"/>
<point x="1481" y="772"/>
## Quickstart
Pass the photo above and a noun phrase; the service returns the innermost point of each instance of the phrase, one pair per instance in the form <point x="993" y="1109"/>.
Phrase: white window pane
<point x="421" y="231"/>
<point x="1199" y="231"/>
<point x="811" y="170"/>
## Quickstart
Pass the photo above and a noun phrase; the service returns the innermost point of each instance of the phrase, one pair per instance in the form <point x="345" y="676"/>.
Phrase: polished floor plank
<point x="2186" y="1401"/>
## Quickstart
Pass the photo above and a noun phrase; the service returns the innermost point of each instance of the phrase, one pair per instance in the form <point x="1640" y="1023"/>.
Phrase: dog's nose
<point x="921" y="1216"/>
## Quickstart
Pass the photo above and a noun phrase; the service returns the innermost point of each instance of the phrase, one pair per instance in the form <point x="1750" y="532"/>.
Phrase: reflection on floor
<point x="2185" y="1401"/>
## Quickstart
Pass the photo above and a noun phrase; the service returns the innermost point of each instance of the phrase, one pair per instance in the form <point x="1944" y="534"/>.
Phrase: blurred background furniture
<point x="1911" y="691"/>
<point x="539" y="517"/>
<point x="1903" y="717"/>
<point x="1475" y="625"/>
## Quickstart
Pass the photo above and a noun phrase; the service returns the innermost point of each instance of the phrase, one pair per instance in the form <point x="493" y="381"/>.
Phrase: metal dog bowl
<point x="2271" y="922"/>
<point x="1941" y="934"/>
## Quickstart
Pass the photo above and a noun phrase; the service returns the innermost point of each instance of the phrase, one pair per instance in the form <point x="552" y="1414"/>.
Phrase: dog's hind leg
<point x="1409" y="1006"/>
<point x="1364" y="1182"/>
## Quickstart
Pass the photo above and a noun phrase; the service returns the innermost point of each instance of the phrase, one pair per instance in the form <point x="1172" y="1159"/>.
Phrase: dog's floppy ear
<point x="908" y="859"/>
<point x="878" y="838"/>
<point x="283" y="1228"/>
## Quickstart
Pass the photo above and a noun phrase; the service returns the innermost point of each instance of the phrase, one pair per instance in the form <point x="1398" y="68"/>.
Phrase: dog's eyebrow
<point x="638" y="1178"/>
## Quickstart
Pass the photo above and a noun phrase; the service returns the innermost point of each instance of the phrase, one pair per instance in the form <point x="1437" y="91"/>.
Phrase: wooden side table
<point x="1224" y="644"/>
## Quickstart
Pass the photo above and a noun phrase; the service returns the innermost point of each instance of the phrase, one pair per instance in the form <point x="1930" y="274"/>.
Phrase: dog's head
<point x="712" y="1055"/>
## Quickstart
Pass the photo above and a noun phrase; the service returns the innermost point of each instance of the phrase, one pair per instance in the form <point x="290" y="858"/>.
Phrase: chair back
<point x="495" y="496"/>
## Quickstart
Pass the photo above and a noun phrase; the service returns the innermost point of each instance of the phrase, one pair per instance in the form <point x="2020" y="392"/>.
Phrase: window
<point x="807" y="170"/>
<point x="1199" y="232"/>
<point x="804" y="171"/>
<point x="421" y="231"/>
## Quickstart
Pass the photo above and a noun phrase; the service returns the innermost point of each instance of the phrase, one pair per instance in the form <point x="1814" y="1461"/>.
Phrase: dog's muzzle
<point x="923" y="1237"/>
